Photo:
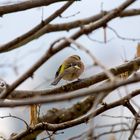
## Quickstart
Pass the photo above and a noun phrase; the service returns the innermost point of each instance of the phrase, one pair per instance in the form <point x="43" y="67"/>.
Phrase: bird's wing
<point x="59" y="77"/>
<point x="58" y="71"/>
<point x="62" y="68"/>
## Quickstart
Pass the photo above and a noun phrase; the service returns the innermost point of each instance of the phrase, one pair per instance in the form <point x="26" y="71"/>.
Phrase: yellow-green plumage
<point x="60" y="70"/>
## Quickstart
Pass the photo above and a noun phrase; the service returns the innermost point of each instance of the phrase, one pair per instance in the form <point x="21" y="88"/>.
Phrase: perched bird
<point x="70" y="69"/>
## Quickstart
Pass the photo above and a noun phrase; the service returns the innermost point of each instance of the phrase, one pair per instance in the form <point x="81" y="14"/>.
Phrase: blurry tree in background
<point x="63" y="36"/>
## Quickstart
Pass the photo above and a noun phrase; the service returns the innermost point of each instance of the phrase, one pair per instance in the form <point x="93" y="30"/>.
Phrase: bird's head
<point x="76" y="57"/>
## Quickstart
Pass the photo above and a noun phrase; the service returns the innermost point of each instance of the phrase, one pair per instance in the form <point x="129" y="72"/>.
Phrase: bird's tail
<point x="57" y="79"/>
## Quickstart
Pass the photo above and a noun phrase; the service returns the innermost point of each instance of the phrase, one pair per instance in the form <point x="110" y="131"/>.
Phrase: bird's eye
<point x="73" y="64"/>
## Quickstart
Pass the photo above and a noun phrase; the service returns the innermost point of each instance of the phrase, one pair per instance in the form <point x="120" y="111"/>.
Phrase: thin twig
<point x="12" y="116"/>
<point x="121" y="37"/>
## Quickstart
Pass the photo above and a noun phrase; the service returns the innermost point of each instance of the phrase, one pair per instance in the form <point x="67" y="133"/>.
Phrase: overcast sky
<point x="111" y="53"/>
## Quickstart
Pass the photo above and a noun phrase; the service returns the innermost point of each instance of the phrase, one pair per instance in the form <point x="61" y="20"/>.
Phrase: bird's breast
<point x="72" y="75"/>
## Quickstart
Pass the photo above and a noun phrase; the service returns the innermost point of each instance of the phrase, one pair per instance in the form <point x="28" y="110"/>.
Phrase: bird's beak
<point x="77" y="67"/>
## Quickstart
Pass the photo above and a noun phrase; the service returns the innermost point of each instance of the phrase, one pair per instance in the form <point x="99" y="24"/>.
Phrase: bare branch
<point x="45" y="28"/>
<point x="128" y="67"/>
<point x="50" y="99"/>
<point x="26" y="5"/>
<point x="131" y="12"/>
<point x="28" y="36"/>
<point x="61" y="126"/>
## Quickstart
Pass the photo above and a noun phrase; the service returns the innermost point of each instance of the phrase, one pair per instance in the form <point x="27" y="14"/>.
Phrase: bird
<point x="69" y="70"/>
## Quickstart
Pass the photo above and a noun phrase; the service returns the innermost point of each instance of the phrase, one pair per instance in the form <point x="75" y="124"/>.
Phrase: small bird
<point x="70" y="69"/>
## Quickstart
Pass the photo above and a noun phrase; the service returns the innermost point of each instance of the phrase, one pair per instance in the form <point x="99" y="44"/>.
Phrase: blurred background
<point x="112" y="53"/>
